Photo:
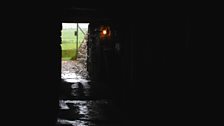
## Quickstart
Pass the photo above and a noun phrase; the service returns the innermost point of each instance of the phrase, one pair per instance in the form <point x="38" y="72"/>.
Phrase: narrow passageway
<point x="82" y="102"/>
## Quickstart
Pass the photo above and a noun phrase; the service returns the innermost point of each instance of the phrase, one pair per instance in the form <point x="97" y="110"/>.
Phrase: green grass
<point x="68" y="35"/>
<point x="69" y="43"/>
<point x="69" y="54"/>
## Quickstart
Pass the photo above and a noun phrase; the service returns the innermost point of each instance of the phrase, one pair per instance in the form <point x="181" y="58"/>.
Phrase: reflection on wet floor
<point x="72" y="77"/>
<point x="84" y="104"/>
<point x="99" y="111"/>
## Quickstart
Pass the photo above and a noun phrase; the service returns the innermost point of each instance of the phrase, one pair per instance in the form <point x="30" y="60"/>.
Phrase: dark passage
<point x="87" y="104"/>
<point x="148" y="64"/>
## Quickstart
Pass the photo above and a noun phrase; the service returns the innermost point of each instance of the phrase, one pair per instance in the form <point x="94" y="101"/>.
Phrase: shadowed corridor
<point x="156" y="65"/>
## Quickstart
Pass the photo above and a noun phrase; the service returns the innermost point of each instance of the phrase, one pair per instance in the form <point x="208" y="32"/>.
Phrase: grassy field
<point x="69" y="43"/>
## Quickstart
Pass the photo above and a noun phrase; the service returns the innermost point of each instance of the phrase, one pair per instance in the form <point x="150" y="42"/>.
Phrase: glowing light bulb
<point x="104" y="32"/>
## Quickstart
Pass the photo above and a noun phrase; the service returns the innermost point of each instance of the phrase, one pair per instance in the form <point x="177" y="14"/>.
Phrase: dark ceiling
<point x="87" y="11"/>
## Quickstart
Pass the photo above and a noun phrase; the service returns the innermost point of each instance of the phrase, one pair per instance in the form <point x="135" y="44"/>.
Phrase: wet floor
<point x="83" y="103"/>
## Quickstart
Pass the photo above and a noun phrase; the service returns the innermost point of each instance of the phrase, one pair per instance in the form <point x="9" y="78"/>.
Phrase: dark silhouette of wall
<point x="31" y="64"/>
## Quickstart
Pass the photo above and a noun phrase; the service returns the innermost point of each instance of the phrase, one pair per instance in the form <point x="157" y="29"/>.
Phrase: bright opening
<point x="74" y="51"/>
